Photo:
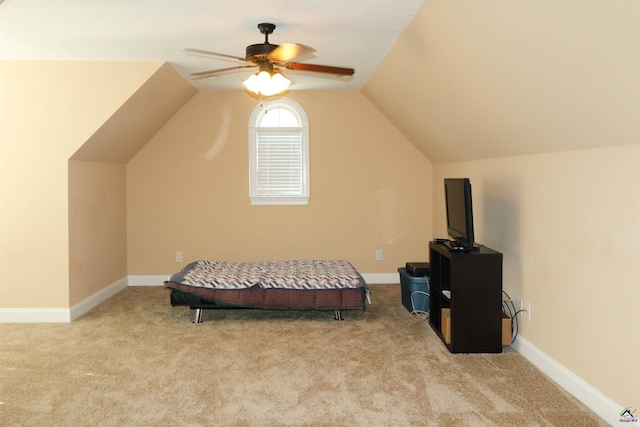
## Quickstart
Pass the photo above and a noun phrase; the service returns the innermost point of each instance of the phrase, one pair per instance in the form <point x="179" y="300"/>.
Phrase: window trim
<point x="297" y="110"/>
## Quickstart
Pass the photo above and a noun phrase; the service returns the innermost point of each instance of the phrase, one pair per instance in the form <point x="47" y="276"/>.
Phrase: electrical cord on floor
<point x="420" y="313"/>
<point x="514" y="319"/>
<point x="513" y="315"/>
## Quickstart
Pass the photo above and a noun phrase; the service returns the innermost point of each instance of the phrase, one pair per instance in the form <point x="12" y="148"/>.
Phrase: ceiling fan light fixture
<point x="267" y="84"/>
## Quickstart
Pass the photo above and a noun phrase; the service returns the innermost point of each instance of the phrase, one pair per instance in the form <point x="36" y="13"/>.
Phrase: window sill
<point x="279" y="200"/>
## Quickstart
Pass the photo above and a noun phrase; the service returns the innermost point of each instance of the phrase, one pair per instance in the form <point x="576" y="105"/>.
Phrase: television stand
<point x="465" y="302"/>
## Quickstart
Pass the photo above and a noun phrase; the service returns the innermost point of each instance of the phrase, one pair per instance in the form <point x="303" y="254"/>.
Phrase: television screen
<point x="459" y="212"/>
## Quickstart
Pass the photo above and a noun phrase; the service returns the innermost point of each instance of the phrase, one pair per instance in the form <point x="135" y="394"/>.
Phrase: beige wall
<point x="97" y="182"/>
<point x="568" y="225"/>
<point x="187" y="190"/>
<point x="97" y="227"/>
<point x="47" y="111"/>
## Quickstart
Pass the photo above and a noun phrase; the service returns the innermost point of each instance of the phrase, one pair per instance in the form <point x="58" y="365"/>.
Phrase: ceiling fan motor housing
<point x="259" y="52"/>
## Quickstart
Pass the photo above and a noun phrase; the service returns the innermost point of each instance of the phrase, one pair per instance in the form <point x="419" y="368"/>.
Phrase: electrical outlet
<point x="525" y="309"/>
<point x="379" y="255"/>
<point x="178" y="256"/>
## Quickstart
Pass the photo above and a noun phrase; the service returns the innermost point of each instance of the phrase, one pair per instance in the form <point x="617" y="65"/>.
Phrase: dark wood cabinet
<point x="465" y="303"/>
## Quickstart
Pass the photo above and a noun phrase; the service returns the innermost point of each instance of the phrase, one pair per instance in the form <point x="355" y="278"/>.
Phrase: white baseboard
<point x="98" y="298"/>
<point x="147" y="280"/>
<point x="35" y="315"/>
<point x="381" y="278"/>
<point x="592" y="398"/>
<point x="61" y="315"/>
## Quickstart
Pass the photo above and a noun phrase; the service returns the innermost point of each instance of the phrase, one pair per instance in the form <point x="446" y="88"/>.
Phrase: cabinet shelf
<point x="468" y="287"/>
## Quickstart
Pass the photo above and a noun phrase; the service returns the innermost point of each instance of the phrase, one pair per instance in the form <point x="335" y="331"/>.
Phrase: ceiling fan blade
<point x="338" y="71"/>
<point x="208" y="53"/>
<point x="212" y="73"/>
<point x="289" y="51"/>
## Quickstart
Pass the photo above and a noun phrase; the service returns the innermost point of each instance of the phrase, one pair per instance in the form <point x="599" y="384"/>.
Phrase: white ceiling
<point x="346" y="33"/>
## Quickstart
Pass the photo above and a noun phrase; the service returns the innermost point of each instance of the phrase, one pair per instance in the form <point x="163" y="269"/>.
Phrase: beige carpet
<point x="136" y="361"/>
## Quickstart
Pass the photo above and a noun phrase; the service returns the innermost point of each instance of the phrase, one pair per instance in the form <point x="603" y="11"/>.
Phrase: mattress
<point x="294" y="284"/>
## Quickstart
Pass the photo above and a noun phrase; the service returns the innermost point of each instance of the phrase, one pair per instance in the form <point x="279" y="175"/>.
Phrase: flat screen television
<point x="457" y="193"/>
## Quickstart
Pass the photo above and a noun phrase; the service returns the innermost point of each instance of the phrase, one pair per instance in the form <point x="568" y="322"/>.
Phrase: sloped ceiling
<point x="138" y="119"/>
<point x="483" y="79"/>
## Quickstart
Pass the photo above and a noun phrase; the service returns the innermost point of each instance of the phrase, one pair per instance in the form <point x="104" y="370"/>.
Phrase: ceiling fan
<point x="269" y="57"/>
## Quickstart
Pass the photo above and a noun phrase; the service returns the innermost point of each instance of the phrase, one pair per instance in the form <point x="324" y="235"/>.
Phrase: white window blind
<point x="279" y="162"/>
<point x="279" y="154"/>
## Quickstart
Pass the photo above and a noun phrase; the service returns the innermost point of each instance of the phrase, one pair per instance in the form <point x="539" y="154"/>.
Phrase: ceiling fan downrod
<point x="266" y="29"/>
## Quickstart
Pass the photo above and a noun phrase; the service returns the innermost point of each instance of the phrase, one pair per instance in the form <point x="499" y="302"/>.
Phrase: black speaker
<point x="418" y="268"/>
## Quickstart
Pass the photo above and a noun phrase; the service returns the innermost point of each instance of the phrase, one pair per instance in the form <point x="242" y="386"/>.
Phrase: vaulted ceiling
<point x="353" y="33"/>
<point x="462" y="80"/>
<point x="483" y="79"/>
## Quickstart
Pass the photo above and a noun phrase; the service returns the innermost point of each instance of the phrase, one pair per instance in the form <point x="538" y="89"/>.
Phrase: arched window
<point x="279" y="154"/>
